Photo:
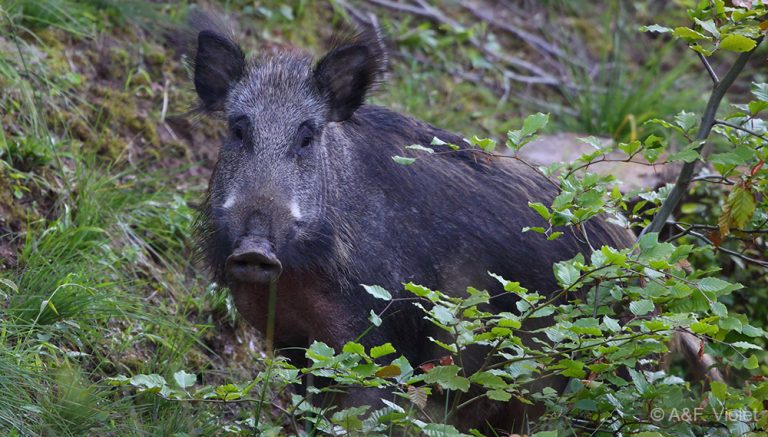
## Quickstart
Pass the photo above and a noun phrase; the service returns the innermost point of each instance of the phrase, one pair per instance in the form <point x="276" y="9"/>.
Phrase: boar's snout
<point x="253" y="261"/>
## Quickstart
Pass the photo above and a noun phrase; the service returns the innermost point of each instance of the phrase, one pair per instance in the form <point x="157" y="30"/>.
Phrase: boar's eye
<point x="304" y="136"/>
<point x="238" y="127"/>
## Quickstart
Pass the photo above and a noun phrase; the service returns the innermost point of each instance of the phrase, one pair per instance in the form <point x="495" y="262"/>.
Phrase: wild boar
<point x="305" y="194"/>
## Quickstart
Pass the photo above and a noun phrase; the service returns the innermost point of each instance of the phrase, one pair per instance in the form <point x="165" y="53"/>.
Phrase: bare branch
<point x="531" y="39"/>
<point x="538" y="75"/>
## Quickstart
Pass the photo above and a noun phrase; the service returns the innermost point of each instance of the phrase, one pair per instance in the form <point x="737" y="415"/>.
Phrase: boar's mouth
<point x="253" y="261"/>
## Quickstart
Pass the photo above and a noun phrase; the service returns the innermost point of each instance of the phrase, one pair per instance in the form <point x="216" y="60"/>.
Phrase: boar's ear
<point x="219" y="64"/>
<point x="346" y="74"/>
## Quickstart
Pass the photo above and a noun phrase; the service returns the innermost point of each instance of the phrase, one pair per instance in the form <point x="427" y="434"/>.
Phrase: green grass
<point x="102" y="283"/>
<point x="619" y="100"/>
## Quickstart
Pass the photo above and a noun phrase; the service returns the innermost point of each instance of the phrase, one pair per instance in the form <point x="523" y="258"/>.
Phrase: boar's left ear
<point x="346" y="74"/>
<point x="219" y="64"/>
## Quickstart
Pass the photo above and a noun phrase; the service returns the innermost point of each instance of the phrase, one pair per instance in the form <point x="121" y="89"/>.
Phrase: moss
<point x="155" y="58"/>
<point x="177" y="148"/>
<point x="118" y="63"/>
<point x="53" y="38"/>
<point x="109" y="146"/>
<point x="80" y="130"/>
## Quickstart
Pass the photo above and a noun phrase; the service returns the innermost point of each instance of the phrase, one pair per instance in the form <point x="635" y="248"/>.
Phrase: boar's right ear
<point x="219" y="64"/>
<point x="346" y="74"/>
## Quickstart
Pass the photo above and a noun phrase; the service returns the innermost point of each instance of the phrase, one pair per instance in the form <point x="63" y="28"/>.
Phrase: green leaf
<point x="389" y="371"/>
<point x="354" y="348"/>
<point x="443" y="315"/>
<point x="688" y="34"/>
<point x="745" y="345"/>
<point x="440" y="430"/>
<point x="498" y="395"/>
<point x="380" y="351"/>
<point x="686" y="155"/>
<point x="118" y="380"/>
<point x="641" y="307"/>
<point x="630" y="148"/>
<point x="488" y="380"/>
<point x="374" y="319"/>
<point x="488" y="145"/>
<point x="641" y="384"/>
<point x="554" y="236"/>
<point x="704" y="328"/>
<point x="655" y="28"/>
<point x="566" y="273"/>
<point x="686" y="120"/>
<point x="542" y="210"/>
<point x="718" y="309"/>
<point x="593" y="141"/>
<point x="402" y="160"/>
<point x="421" y="291"/>
<point x="652" y="250"/>
<point x="572" y="368"/>
<point x="737" y="43"/>
<point x="717" y="285"/>
<point x="319" y="351"/>
<point x="509" y="286"/>
<point x="152" y="382"/>
<point x="420" y="148"/>
<point x="719" y="389"/>
<point x="447" y="377"/>
<point x="757" y="107"/>
<point x="751" y="362"/>
<point x="611" y="324"/>
<point x="438" y="142"/>
<point x="709" y="26"/>
<point x="534" y="123"/>
<point x="377" y="292"/>
<point x="760" y="91"/>
<point x="587" y="326"/>
<point x="742" y="206"/>
<point x="184" y="379"/>
<point x="228" y="392"/>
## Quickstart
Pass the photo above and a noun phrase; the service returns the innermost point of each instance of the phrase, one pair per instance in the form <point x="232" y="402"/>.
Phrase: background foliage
<point x="108" y="329"/>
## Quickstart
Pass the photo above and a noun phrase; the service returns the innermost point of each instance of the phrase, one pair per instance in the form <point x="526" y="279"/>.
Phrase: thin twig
<point x="741" y="128"/>
<point x="715" y="179"/>
<point x="711" y="72"/>
<point x="714" y="228"/>
<point x="724" y="250"/>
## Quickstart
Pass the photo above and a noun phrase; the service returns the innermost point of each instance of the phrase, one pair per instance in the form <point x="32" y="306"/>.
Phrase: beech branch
<point x="705" y="128"/>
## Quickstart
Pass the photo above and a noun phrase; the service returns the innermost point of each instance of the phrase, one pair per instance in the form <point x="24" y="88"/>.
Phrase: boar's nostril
<point x="253" y="265"/>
